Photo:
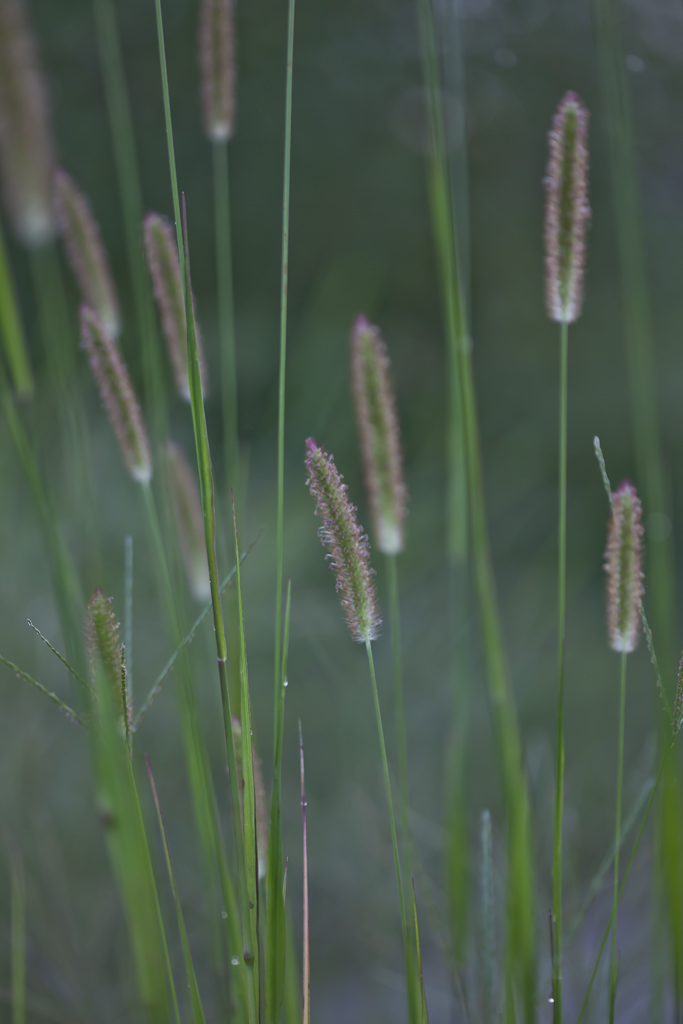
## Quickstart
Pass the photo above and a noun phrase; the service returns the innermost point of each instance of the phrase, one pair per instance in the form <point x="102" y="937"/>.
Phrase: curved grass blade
<point x="197" y="1011"/>
<point x="68" y="711"/>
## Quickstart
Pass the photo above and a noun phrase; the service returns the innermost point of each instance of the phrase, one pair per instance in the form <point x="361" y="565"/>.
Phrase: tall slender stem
<point x="561" y="597"/>
<point x="283" y="357"/>
<point x="226" y="310"/>
<point x="401" y="742"/>
<point x="394" y="839"/>
<point x="617" y="839"/>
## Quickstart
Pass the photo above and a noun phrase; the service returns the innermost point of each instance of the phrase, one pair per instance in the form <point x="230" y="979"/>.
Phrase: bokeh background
<point x="360" y="240"/>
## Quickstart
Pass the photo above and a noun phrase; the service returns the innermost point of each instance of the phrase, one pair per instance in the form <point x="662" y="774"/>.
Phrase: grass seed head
<point x="217" y="67"/>
<point x="188" y="513"/>
<point x="567" y="210"/>
<point x="106" y="653"/>
<point x="379" y="435"/>
<point x="118" y="397"/>
<point x="624" y="568"/>
<point x="348" y="547"/>
<point x="26" y="149"/>
<point x="164" y="267"/>
<point x="85" y="252"/>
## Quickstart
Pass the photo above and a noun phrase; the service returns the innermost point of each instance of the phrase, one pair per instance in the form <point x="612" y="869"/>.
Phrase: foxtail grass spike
<point x="26" y="150"/>
<point x="86" y="253"/>
<point x="217" y="67"/>
<point x="164" y="267"/>
<point x="379" y="435"/>
<point x="259" y="796"/>
<point x="624" y="568"/>
<point x="348" y="547"/>
<point x="118" y="397"/>
<point x="567" y="210"/>
<point x="104" y="644"/>
<point x="188" y="513"/>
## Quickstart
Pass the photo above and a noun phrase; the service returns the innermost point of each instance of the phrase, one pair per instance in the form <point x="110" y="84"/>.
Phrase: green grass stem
<point x="197" y="1009"/>
<point x="226" y="312"/>
<point x="209" y="518"/>
<point x="411" y="994"/>
<point x="18" y="940"/>
<point x="608" y="928"/>
<point x="12" y="329"/>
<point x="130" y="191"/>
<point x="306" y="984"/>
<point x="284" y="282"/>
<point x="561" y="599"/>
<point x="521" y="939"/>
<point x="617" y="838"/>
<point x="401" y="741"/>
<point x="275" y="897"/>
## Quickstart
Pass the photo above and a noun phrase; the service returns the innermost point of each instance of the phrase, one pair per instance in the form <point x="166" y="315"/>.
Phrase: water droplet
<point x="286" y="682"/>
<point x="235" y="961"/>
<point x="551" y="1000"/>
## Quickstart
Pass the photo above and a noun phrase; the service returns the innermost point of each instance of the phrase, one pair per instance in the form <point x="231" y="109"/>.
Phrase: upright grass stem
<point x="226" y="310"/>
<point x="394" y="840"/>
<point x="561" y="583"/>
<point x="401" y="742"/>
<point x="521" y="941"/>
<point x="130" y="189"/>
<point x="617" y="839"/>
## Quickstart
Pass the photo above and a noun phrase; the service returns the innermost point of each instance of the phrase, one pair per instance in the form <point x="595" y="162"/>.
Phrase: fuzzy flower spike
<point x="624" y="568"/>
<point x="379" y="435"/>
<point x="567" y="210"/>
<point x="348" y="548"/>
<point x="118" y="397"/>
<point x="217" y="67"/>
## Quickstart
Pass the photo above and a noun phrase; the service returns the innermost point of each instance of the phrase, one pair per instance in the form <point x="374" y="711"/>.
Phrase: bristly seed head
<point x="624" y="568"/>
<point x="567" y="210"/>
<point x="348" y="548"/>
<point x="217" y="67"/>
<point x="379" y="435"/>
<point x="104" y="644"/>
<point x="164" y="267"/>
<point x="118" y="397"/>
<point x="188" y="512"/>
<point x="86" y="253"/>
<point x="26" y="150"/>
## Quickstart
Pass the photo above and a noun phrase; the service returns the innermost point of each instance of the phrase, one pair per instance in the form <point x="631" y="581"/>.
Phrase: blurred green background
<point x="360" y="240"/>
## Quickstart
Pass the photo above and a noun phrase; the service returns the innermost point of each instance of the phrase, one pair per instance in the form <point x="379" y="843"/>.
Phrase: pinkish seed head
<point x="348" y="548"/>
<point x="26" y="148"/>
<point x="164" y="268"/>
<point x="379" y="435"/>
<point x="217" y="67"/>
<point x="86" y="253"/>
<point x="624" y="568"/>
<point x="567" y="210"/>
<point x="118" y="397"/>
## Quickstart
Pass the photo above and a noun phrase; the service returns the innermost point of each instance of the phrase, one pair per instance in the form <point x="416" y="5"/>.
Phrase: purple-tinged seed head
<point x="189" y="520"/>
<point x="106" y="653"/>
<point x="217" y="68"/>
<point x="624" y="568"/>
<point x="567" y="210"/>
<point x="118" y="397"/>
<point x="348" y="547"/>
<point x="379" y="435"/>
<point x="85" y="252"/>
<point x="164" y="268"/>
<point x="26" y="148"/>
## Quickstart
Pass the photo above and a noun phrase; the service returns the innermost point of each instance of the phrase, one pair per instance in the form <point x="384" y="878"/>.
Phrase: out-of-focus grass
<point x="360" y="239"/>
